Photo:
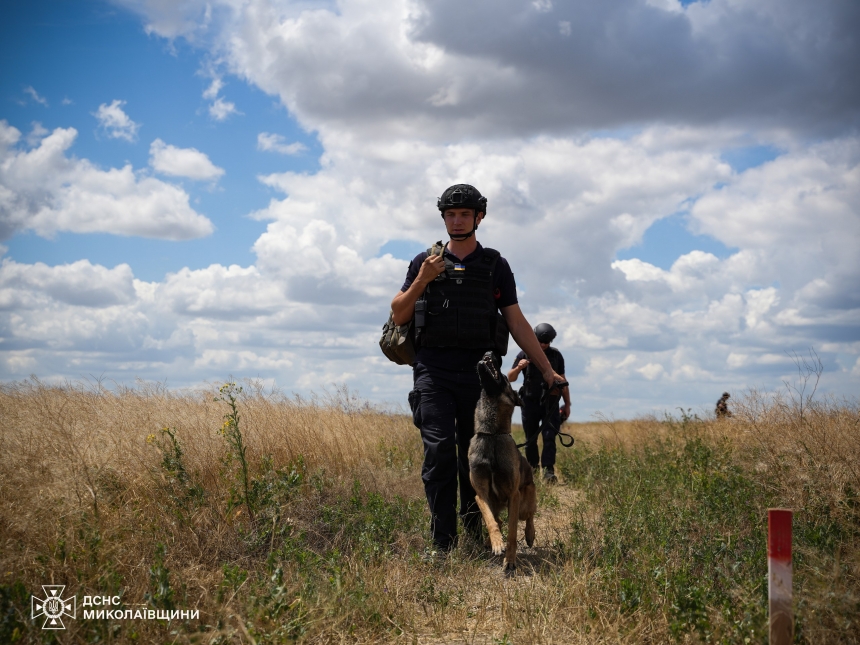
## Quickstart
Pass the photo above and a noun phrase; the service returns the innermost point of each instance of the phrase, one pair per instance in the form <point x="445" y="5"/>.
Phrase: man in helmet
<point x="461" y="292"/>
<point x="541" y="414"/>
<point x="722" y="410"/>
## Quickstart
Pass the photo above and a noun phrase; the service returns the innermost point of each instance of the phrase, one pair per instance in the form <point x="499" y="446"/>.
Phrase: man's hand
<point x="551" y="379"/>
<point x="403" y="304"/>
<point x="514" y="372"/>
<point x="432" y="266"/>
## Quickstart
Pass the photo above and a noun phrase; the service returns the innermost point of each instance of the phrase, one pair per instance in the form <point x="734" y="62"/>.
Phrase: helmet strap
<point x="464" y="236"/>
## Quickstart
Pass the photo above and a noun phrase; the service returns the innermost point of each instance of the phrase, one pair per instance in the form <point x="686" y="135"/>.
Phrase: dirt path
<point x="494" y="596"/>
<point x="555" y="513"/>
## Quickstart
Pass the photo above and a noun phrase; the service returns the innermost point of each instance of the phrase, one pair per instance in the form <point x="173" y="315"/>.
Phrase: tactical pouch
<point x="523" y="392"/>
<point x="398" y="342"/>
<point x="420" y="311"/>
<point x="415" y="406"/>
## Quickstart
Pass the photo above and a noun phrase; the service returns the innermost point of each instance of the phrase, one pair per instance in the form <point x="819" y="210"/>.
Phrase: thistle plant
<point x="229" y="393"/>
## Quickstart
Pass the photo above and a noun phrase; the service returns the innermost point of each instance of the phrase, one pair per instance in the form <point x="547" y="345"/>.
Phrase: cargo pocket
<point x="415" y="405"/>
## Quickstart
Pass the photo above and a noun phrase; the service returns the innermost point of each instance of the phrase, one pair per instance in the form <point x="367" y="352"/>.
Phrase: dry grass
<point x="94" y="495"/>
<point x="85" y="499"/>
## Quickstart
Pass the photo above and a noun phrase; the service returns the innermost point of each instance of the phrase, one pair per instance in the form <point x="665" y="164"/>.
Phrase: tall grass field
<point x="276" y="519"/>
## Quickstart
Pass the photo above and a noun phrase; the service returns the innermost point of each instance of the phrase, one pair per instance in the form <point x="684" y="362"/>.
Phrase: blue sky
<point x="97" y="53"/>
<point x="246" y="182"/>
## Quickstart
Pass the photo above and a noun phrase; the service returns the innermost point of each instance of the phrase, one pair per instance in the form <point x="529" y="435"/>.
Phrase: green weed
<point x="682" y="531"/>
<point x="13" y="597"/>
<point x="367" y="523"/>
<point x="184" y="493"/>
<point x="229" y="393"/>
<point x="160" y="594"/>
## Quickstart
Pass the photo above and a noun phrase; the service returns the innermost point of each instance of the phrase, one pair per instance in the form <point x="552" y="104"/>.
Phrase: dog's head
<point x="493" y="382"/>
<point x="498" y="398"/>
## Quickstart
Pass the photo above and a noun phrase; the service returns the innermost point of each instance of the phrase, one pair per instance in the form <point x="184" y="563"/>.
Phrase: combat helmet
<point x="545" y="333"/>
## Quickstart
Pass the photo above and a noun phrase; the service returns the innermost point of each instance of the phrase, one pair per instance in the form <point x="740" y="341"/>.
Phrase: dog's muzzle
<point x="492" y="380"/>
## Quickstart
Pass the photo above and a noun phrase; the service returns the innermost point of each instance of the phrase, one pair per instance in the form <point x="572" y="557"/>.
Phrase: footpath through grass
<point x="266" y="516"/>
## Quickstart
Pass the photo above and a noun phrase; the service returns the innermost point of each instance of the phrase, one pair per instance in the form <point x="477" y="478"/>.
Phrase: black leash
<point x="545" y="398"/>
<point x="561" y="439"/>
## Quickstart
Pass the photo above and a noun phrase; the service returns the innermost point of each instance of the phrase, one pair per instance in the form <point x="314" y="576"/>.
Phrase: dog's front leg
<point x="513" y="518"/>
<point x="482" y="494"/>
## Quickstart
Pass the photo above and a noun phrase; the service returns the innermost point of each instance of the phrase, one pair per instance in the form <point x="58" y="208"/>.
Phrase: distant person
<point x="722" y="410"/>
<point x="541" y="417"/>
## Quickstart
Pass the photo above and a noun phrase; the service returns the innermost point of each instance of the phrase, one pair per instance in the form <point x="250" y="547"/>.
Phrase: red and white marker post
<point x="779" y="576"/>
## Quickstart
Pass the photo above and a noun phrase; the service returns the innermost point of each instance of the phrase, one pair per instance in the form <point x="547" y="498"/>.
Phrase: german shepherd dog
<point x="500" y="475"/>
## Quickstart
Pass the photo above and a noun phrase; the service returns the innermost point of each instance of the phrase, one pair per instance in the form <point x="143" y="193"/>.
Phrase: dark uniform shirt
<point x="504" y="291"/>
<point x="533" y="385"/>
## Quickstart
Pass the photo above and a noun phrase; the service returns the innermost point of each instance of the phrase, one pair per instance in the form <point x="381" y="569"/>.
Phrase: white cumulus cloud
<point x="182" y="162"/>
<point x="45" y="191"/>
<point x="414" y="64"/>
<point x="115" y="122"/>
<point x="269" y="142"/>
<point x="211" y="92"/>
<point x="25" y="286"/>
<point x="221" y="109"/>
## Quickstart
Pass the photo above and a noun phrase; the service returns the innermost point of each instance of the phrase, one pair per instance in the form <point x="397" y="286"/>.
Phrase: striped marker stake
<point x="779" y="576"/>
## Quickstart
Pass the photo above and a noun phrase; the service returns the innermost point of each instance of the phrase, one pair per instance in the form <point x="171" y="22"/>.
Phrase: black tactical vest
<point x="460" y="309"/>
<point x="532" y="378"/>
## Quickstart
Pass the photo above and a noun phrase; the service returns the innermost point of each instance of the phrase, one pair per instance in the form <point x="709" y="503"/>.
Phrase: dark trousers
<point x="544" y="420"/>
<point x="445" y="413"/>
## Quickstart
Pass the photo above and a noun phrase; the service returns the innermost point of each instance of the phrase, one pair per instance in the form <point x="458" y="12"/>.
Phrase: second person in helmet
<point x="541" y="417"/>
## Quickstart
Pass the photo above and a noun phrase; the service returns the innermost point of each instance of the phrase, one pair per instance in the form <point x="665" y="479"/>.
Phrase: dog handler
<point x="459" y="324"/>
<point x="541" y="417"/>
